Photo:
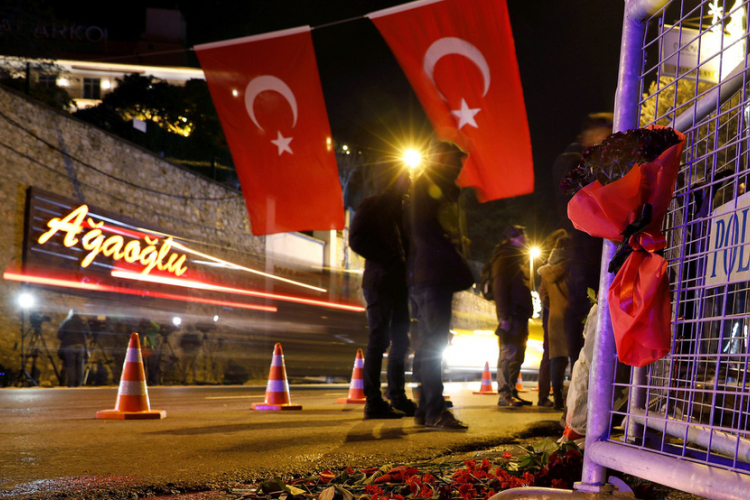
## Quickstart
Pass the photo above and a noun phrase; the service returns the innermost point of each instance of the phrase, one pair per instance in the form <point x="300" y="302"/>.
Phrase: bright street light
<point x="412" y="158"/>
<point x="26" y="300"/>
<point x="534" y="252"/>
<point x="176" y="321"/>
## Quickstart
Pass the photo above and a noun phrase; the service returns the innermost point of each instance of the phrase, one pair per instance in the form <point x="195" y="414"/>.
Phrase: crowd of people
<point x="408" y="235"/>
<point x="414" y="266"/>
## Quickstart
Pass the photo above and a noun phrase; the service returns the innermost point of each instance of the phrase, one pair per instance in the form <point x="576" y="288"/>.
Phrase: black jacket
<point x="433" y="257"/>
<point x="376" y="233"/>
<point x="510" y="283"/>
<point x="73" y="331"/>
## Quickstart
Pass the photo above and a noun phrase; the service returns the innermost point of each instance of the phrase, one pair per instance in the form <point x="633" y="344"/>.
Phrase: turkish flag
<point x="267" y="93"/>
<point x="460" y="59"/>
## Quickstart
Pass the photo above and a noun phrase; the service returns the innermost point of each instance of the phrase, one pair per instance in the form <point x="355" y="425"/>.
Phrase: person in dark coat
<point x="563" y="323"/>
<point x="73" y="335"/>
<point x="435" y="271"/>
<point x="377" y="234"/>
<point x="513" y="306"/>
<point x="587" y="250"/>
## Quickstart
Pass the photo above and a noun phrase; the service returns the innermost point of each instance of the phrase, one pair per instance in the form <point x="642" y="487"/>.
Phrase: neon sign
<point x="144" y="251"/>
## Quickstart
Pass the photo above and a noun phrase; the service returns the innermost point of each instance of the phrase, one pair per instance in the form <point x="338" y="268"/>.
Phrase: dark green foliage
<point x="167" y="110"/>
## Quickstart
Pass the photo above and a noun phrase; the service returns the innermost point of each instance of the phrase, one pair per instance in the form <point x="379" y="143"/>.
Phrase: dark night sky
<point x="568" y="55"/>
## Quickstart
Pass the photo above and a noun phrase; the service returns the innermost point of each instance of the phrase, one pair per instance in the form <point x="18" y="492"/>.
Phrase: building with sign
<point x="132" y="242"/>
<point x="85" y="59"/>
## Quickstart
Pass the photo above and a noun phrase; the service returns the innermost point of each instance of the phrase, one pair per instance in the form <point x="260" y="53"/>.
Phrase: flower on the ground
<point x="544" y="464"/>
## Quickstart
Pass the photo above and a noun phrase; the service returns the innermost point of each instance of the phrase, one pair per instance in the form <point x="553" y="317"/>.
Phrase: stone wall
<point x="55" y="152"/>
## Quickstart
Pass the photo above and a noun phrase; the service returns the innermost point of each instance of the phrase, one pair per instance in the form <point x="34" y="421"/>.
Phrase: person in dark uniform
<point x="435" y="271"/>
<point x="73" y="335"/>
<point x="377" y="234"/>
<point x="513" y="306"/>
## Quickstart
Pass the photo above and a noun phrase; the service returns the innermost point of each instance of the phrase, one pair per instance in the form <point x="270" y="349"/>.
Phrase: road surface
<point x="50" y="440"/>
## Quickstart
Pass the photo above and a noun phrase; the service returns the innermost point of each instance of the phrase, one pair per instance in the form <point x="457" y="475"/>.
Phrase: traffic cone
<point x="486" y="387"/>
<point x="356" y="386"/>
<point x="277" y="389"/>
<point x="132" y="396"/>
<point x="519" y="384"/>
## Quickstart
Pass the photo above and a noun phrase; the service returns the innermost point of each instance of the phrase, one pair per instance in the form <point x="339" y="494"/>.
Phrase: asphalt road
<point x="51" y="442"/>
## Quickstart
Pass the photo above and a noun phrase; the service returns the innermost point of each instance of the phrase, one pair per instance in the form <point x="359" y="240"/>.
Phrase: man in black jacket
<point x="435" y="270"/>
<point x="377" y="234"/>
<point x="513" y="306"/>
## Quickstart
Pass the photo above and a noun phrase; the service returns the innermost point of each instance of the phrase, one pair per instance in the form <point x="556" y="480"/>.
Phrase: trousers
<point x="388" y="322"/>
<point x="512" y="346"/>
<point x="432" y="306"/>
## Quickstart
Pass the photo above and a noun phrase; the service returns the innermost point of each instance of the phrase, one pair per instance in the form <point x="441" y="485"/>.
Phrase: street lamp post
<point x="534" y="252"/>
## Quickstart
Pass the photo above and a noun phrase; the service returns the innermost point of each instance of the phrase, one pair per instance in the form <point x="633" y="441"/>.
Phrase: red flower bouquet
<point x="629" y="210"/>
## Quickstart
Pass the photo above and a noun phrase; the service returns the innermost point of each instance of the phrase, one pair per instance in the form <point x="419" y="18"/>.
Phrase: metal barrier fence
<point x="686" y="422"/>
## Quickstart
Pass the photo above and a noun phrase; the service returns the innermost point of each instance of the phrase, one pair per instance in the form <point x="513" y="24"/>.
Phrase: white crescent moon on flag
<point x="268" y="82"/>
<point x="452" y="45"/>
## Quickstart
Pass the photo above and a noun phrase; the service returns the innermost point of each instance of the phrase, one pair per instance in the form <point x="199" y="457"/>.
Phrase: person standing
<point x="544" y="365"/>
<point x="377" y="234"/>
<point x="435" y="271"/>
<point x="73" y="335"/>
<point x="556" y="276"/>
<point x="513" y="306"/>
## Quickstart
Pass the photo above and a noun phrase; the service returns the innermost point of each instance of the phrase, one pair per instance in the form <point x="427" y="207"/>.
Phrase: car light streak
<point x="97" y="287"/>
<point x="232" y="265"/>
<point x="240" y="291"/>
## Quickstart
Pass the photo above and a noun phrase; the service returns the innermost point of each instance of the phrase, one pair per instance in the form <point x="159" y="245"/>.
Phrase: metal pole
<point x="696" y="478"/>
<point x="603" y="365"/>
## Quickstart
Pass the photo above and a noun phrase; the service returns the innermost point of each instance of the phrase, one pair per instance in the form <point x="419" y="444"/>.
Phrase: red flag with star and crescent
<point x="460" y="59"/>
<point x="267" y="93"/>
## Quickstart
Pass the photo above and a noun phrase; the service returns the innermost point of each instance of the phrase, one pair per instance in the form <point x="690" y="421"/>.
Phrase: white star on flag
<point x="282" y="143"/>
<point x="466" y="115"/>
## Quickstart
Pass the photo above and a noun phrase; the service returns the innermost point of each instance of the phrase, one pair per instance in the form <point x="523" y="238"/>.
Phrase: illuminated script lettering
<point x="145" y="251"/>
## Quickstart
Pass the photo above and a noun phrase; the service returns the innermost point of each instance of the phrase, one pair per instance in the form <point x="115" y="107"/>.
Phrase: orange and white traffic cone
<point x="519" y="384"/>
<point x="277" y="389"/>
<point x="486" y="387"/>
<point x="132" y="396"/>
<point x="357" y="385"/>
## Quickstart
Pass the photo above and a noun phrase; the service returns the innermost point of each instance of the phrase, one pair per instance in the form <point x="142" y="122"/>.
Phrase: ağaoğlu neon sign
<point x="144" y="251"/>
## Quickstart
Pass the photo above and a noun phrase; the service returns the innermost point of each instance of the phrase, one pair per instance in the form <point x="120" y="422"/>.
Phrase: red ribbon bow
<point x="639" y="300"/>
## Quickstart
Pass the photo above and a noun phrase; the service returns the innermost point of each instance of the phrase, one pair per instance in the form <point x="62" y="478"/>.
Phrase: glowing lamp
<point x="412" y="158"/>
<point x="176" y="321"/>
<point x="26" y="300"/>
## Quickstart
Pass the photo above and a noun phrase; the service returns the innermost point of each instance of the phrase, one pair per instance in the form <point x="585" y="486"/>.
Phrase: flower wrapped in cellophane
<point x="630" y="180"/>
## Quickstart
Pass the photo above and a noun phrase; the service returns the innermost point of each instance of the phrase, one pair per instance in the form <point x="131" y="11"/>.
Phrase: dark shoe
<point x="381" y="410"/>
<point x="446" y="421"/>
<point x="448" y="403"/>
<point x="509" y="401"/>
<point x="405" y="405"/>
<point x="545" y="403"/>
<point x="419" y="417"/>
<point x="523" y="401"/>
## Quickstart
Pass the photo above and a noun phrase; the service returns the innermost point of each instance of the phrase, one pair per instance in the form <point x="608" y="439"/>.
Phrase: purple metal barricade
<point x="686" y="417"/>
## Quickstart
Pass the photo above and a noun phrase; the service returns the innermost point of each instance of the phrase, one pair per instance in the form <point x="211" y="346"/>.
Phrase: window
<point x="47" y="80"/>
<point x="92" y="88"/>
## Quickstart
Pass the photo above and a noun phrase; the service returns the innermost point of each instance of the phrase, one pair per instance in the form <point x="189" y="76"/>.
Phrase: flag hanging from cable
<point x="267" y="92"/>
<point x="460" y="59"/>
